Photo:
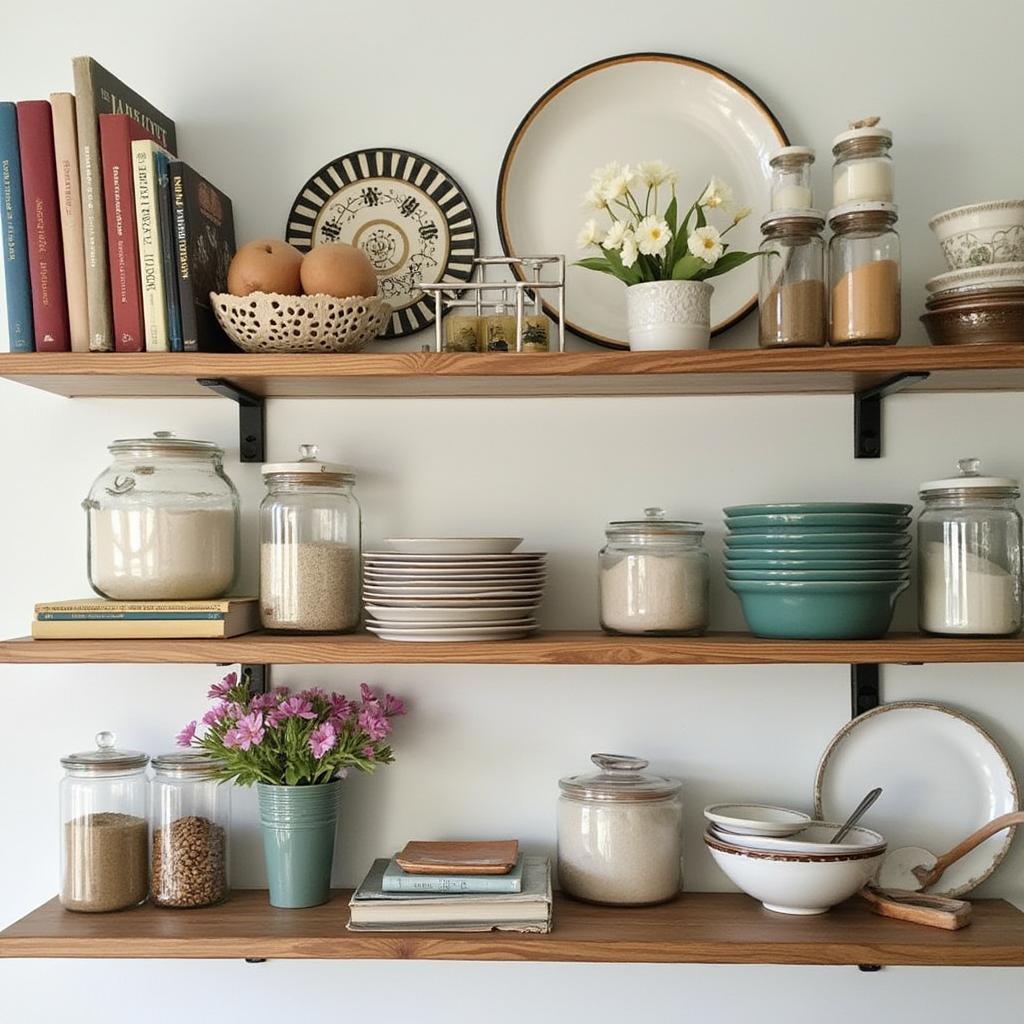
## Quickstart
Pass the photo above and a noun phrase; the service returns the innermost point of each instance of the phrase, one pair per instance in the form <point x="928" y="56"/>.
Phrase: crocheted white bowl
<point x="268" y="322"/>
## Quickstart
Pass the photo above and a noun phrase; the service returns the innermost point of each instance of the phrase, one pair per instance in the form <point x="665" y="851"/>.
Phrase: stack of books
<point x="96" y="618"/>
<point x="471" y="886"/>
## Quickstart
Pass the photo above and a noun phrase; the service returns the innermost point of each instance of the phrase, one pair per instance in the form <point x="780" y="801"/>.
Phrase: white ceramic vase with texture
<point x="668" y="315"/>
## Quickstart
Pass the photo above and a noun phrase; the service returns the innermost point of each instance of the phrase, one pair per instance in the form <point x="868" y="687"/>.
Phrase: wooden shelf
<point x="544" y="648"/>
<point x="445" y="374"/>
<point x="706" y="928"/>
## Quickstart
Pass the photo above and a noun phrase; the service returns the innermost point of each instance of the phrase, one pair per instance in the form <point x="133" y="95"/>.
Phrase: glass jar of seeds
<point x="310" y="537"/>
<point x="191" y="820"/>
<point x="104" y="808"/>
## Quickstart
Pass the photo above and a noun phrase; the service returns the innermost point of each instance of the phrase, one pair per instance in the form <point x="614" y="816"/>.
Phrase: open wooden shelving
<point x="705" y="928"/>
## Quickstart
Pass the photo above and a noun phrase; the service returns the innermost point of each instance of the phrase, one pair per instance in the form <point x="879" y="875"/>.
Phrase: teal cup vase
<point x="299" y="824"/>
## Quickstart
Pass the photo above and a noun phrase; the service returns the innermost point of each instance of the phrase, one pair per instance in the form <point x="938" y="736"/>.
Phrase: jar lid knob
<point x="969" y="467"/>
<point x="105" y="740"/>
<point x="308" y="452"/>
<point x="654" y="513"/>
<point x="619" y="762"/>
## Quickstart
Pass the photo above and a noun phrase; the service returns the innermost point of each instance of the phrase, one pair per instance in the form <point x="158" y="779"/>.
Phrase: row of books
<point x="111" y="242"/>
<point x="454" y="892"/>
<point x="96" y="618"/>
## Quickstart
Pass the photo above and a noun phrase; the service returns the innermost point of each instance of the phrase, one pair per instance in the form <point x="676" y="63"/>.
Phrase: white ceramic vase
<point x="668" y="315"/>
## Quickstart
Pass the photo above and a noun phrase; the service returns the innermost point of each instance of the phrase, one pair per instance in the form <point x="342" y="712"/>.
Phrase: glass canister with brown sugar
<point x="792" y="297"/>
<point x="864" y="275"/>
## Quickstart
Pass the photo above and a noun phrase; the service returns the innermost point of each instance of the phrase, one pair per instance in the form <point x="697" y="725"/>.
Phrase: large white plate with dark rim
<point x="454" y="633"/>
<point x="407" y="214"/>
<point x="942" y="778"/>
<point x="696" y="117"/>
<point x="453" y="545"/>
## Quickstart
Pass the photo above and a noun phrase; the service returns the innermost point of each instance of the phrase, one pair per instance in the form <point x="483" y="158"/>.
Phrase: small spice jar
<point x="862" y="168"/>
<point x="654" y="577"/>
<point x="462" y="332"/>
<point x="864" y="275"/>
<point x="163" y="522"/>
<point x="792" y="298"/>
<point x="499" y="329"/>
<point x="104" y="811"/>
<point x="620" y="834"/>
<point x="791" y="178"/>
<point x="310" y="537"/>
<point x="191" y="819"/>
<point x="969" y="555"/>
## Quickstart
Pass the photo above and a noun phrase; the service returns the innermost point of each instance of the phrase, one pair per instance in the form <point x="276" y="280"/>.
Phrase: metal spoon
<point x="856" y="816"/>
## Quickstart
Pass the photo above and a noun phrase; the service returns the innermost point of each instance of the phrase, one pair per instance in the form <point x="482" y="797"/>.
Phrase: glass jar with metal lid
<point x="654" y="577"/>
<point x="191" y="820"/>
<point x="792" y="300"/>
<point x="620" y="834"/>
<point x="163" y="522"/>
<point x="791" y="178"/>
<point x="969" y="555"/>
<point x="104" y="811"/>
<point x="310" y="539"/>
<point x="862" y="168"/>
<point x="864" y="275"/>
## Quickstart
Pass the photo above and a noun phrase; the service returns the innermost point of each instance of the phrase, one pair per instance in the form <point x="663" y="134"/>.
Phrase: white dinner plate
<point x="757" y="819"/>
<point x="942" y="778"/>
<point x="418" y="627"/>
<point x="456" y="575"/>
<point x="454" y="633"/>
<point x="453" y="545"/>
<point x="476" y="614"/>
<point x="423" y="561"/>
<point x="641" y="106"/>
<point x="492" y="593"/>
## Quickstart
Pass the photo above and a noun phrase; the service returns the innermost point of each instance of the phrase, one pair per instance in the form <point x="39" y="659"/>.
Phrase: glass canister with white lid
<point x="163" y="522"/>
<point x="191" y="810"/>
<point x="104" y="813"/>
<point x="620" y="834"/>
<point x="791" y="178"/>
<point x="654" y="577"/>
<point x="969" y="554"/>
<point x="862" y="167"/>
<point x="310" y="546"/>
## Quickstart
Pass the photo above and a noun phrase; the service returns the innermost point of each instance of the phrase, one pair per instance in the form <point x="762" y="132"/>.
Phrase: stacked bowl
<point x="818" y="570"/>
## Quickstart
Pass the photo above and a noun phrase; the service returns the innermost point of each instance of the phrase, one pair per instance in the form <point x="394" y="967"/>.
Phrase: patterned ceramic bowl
<point x="981" y="233"/>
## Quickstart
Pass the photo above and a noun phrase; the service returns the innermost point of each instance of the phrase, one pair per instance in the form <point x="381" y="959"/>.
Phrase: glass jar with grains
<point x="792" y="302"/>
<point x="310" y="538"/>
<point x="104" y="810"/>
<point x="163" y="522"/>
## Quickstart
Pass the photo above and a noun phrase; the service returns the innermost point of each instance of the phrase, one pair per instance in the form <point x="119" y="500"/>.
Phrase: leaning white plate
<point x="454" y="633"/>
<point x="637" y="107"/>
<point x="942" y="778"/>
<point x="757" y="819"/>
<point x="453" y="545"/>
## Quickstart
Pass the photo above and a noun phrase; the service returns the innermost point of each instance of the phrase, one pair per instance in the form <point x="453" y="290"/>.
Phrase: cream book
<point x="98" y="618"/>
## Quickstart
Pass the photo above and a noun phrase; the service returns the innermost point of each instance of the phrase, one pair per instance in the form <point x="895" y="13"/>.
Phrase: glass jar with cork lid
<point x="791" y="178"/>
<point x="862" y="168"/>
<point x="792" y="298"/>
<point x="310" y="540"/>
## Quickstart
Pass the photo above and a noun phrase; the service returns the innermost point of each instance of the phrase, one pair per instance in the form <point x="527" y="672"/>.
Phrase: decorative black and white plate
<point x="408" y="215"/>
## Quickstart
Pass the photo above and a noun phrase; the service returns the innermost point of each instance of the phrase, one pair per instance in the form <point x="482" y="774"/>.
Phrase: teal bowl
<point x="780" y="508"/>
<point x="767" y="541"/>
<point x="817" y="564"/>
<point x="815" y="520"/>
<point x="827" y="575"/>
<point x="814" y="553"/>
<point x="791" y="610"/>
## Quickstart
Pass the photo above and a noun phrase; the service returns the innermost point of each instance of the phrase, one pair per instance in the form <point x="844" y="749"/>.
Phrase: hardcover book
<point x="168" y="249"/>
<point x="372" y="908"/>
<point x="205" y="239"/>
<point x="397" y="879"/>
<point x="117" y="133"/>
<point x="17" y="284"/>
<point x="150" y="620"/>
<point x="69" y="192"/>
<point x="150" y="244"/>
<point x="50" y="323"/>
<point x="97" y="91"/>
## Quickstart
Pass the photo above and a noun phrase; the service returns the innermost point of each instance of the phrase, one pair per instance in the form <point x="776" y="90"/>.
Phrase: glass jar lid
<point x="621" y="778"/>
<point x="163" y="442"/>
<point x="789" y="157"/>
<point x="105" y="758"/>
<point x="655" y="525"/>
<point x="881" y="137"/>
<point x="801" y="219"/>
<point x="971" y="480"/>
<point x="308" y="465"/>
<point x="886" y="212"/>
<point x="185" y="763"/>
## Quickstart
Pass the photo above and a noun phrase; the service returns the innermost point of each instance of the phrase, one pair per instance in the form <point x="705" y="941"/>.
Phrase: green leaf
<point x="688" y="268"/>
<point x="730" y="261"/>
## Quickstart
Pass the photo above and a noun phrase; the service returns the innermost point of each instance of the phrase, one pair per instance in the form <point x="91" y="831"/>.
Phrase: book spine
<point x="99" y="91"/>
<point x="147" y="226"/>
<point x="176" y="183"/>
<point x="118" y="616"/>
<point x="451" y="883"/>
<point x="69" y="190"/>
<point x="18" y="284"/>
<point x="122" y="248"/>
<point x="42" y="218"/>
<point x="91" y="607"/>
<point x="165" y="216"/>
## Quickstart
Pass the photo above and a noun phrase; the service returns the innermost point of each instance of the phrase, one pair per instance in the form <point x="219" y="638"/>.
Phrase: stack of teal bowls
<point x="818" y="570"/>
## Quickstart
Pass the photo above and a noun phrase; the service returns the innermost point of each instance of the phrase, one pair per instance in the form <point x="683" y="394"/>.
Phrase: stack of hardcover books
<point x="466" y="886"/>
<point x="97" y="618"/>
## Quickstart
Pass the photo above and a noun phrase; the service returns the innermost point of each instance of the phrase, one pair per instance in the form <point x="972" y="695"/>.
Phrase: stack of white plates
<point x="453" y="588"/>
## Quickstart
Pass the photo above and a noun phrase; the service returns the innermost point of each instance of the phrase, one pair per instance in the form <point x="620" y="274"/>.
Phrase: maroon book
<point x="51" y="323"/>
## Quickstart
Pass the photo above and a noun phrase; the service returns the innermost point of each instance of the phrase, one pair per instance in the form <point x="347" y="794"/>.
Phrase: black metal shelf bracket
<point x="865" y="689"/>
<point x="250" y="416"/>
<point x="867" y="413"/>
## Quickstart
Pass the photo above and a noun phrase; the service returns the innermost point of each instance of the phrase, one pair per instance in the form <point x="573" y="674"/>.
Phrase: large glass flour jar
<point x="969" y="555"/>
<point x="654" y="577"/>
<point x="104" y="813"/>
<point x="310" y="537"/>
<point x="620" y="834"/>
<point x="163" y="522"/>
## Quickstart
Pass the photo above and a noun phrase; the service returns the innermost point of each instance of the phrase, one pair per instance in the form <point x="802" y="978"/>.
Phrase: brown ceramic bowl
<point x="995" y="321"/>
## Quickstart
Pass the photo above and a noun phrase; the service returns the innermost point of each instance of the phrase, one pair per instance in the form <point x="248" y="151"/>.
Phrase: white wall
<point x="261" y="101"/>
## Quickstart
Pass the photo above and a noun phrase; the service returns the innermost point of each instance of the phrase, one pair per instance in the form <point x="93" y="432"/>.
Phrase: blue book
<point x="16" y="270"/>
<point x="395" y="879"/>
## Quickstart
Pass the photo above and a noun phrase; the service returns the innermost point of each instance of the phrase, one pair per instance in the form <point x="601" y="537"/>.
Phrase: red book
<point x="117" y="131"/>
<point x="50" y="319"/>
